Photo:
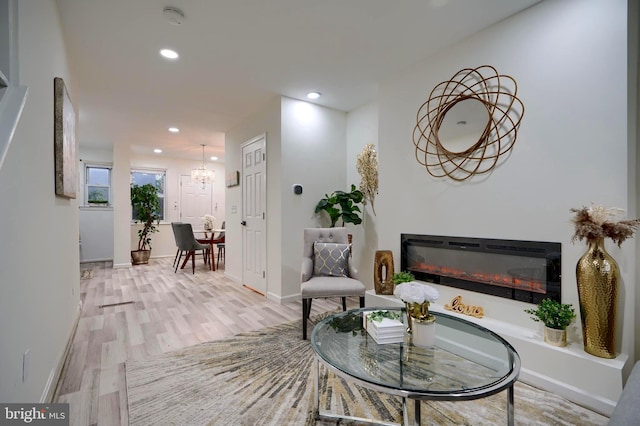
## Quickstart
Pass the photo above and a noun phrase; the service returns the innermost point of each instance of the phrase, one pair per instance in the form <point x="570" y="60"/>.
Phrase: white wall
<point x="39" y="266"/>
<point x="265" y="121"/>
<point x="569" y="60"/>
<point x="314" y="156"/>
<point x="163" y="243"/>
<point x="362" y="129"/>
<point x="96" y="223"/>
<point x="306" y="145"/>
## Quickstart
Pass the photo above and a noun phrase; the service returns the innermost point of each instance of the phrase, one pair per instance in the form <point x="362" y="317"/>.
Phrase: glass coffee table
<point x="467" y="362"/>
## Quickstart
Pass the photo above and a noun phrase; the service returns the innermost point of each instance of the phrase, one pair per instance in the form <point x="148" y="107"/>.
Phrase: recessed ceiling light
<point x="313" y="95"/>
<point x="169" y="54"/>
<point x="174" y="129"/>
<point x="214" y="158"/>
<point x="157" y="151"/>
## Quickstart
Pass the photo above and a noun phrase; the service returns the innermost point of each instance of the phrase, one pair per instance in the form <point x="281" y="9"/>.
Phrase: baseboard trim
<point x="95" y="260"/>
<point x="232" y="277"/>
<point x="122" y="265"/>
<point x="285" y="299"/>
<point x="594" y="402"/>
<point x="54" y="377"/>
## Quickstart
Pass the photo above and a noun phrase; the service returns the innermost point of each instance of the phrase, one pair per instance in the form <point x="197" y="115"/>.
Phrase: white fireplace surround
<point x="557" y="370"/>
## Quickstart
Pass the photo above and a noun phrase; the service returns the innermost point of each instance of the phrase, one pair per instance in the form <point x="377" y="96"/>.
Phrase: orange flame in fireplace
<point x="509" y="281"/>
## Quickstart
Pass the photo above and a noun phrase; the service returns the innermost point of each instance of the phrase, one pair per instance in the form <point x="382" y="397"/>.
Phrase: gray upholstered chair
<point x="327" y="270"/>
<point x="175" y="237"/>
<point x="219" y="240"/>
<point x="187" y="244"/>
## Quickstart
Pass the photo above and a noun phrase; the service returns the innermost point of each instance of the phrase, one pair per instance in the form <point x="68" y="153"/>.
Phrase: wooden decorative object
<point x="383" y="263"/>
<point x="497" y="93"/>
<point x="457" y="306"/>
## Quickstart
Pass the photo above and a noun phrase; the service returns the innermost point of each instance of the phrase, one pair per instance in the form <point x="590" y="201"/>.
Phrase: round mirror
<point x="463" y="126"/>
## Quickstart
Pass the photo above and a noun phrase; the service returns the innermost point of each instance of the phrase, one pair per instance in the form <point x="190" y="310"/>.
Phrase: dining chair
<point x="219" y="241"/>
<point x="188" y="245"/>
<point x="327" y="269"/>
<point x="175" y="237"/>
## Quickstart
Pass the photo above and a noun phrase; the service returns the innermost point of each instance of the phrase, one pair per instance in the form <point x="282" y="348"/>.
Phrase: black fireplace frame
<point x="538" y="249"/>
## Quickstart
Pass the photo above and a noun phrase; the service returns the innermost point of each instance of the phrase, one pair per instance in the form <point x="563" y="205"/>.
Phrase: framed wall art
<point x="233" y="178"/>
<point x="64" y="135"/>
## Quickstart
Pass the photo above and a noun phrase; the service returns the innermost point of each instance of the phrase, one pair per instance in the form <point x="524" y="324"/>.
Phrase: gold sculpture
<point x="457" y="306"/>
<point x="383" y="271"/>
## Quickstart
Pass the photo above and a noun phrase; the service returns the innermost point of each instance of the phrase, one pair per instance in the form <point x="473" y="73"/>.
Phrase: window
<point x="97" y="187"/>
<point x="155" y="178"/>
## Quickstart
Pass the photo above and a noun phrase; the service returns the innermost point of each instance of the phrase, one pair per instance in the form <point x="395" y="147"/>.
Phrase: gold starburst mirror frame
<point x="467" y="123"/>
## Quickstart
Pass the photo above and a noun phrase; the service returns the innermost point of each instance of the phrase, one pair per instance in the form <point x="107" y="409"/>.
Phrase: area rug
<point x="266" y="378"/>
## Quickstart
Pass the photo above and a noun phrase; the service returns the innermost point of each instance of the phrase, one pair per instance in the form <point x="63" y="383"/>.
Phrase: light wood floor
<point x="169" y="311"/>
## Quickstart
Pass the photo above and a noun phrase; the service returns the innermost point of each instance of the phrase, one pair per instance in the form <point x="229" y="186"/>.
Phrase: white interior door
<point x="254" y="205"/>
<point x="196" y="200"/>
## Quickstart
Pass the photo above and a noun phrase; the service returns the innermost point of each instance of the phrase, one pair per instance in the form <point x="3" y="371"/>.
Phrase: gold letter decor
<point x="458" y="306"/>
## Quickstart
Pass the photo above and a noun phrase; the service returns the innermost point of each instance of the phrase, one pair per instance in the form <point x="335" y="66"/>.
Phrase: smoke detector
<point x="173" y="15"/>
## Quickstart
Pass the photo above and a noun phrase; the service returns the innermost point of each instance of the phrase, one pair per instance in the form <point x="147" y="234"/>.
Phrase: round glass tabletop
<point x="467" y="361"/>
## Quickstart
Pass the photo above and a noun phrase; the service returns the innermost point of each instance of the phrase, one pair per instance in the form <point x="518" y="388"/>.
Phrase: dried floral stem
<point x="593" y="223"/>
<point x="367" y="167"/>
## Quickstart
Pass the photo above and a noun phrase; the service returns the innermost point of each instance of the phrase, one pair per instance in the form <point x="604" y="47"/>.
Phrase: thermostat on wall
<point x="297" y="189"/>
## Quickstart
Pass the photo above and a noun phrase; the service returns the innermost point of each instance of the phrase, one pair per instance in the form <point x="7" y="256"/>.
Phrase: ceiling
<point x="237" y="55"/>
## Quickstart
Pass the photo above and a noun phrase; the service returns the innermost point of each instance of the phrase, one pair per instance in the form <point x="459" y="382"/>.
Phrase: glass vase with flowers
<point x="420" y="323"/>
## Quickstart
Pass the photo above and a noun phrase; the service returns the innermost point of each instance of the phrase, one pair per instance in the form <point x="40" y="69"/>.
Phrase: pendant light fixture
<point x="202" y="175"/>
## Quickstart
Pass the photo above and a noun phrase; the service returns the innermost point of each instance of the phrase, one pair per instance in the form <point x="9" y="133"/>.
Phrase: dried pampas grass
<point x="596" y="222"/>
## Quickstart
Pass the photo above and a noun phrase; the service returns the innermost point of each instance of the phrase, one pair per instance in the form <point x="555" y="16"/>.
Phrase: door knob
<point x="243" y="223"/>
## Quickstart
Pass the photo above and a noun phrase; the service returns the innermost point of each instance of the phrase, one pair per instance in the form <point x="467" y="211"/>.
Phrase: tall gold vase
<point x="598" y="275"/>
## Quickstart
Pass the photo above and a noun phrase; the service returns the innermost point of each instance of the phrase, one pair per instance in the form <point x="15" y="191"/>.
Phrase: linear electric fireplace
<point x="528" y="271"/>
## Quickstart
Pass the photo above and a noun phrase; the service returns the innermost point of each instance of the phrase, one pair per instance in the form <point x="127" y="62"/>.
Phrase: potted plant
<point x="556" y="318"/>
<point x="402" y="277"/>
<point x="421" y="323"/>
<point x="146" y="205"/>
<point x="341" y="205"/>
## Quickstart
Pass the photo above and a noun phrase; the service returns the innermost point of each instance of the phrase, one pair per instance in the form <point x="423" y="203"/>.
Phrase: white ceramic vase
<point x="423" y="332"/>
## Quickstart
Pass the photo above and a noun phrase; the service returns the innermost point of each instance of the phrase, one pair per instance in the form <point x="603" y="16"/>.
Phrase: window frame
<point x="162" y="195"/>
<point x="96" y="165"/>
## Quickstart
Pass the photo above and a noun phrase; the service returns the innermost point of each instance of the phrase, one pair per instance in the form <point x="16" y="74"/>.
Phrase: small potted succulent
<point x="402" y="277"/>
<point x="556" y="317"/>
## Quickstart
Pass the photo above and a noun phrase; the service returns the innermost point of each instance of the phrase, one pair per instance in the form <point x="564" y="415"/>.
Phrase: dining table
<point x="210" y="240"/>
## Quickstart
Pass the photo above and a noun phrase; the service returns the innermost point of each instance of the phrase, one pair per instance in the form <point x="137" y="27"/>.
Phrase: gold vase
<point x="383" y="272"/>
<point x="598" y="274"/>
<point x="418" y="311"/>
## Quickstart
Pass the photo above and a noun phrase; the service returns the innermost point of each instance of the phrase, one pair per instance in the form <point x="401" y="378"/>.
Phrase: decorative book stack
<point x="386" y="331"/>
